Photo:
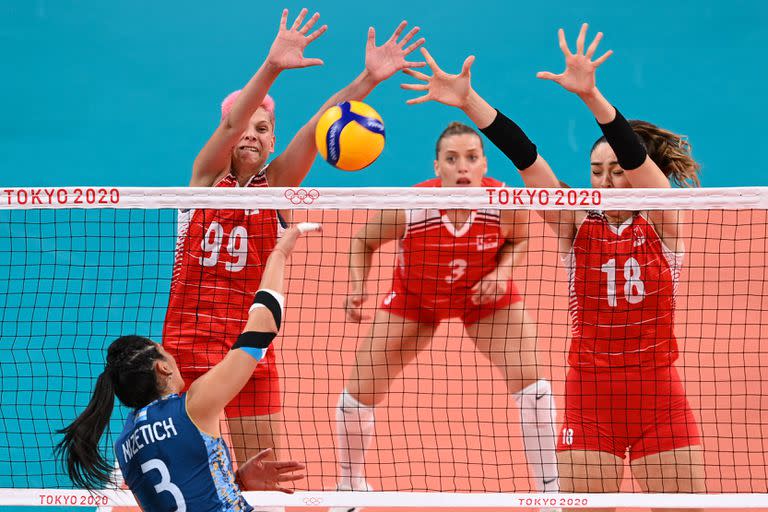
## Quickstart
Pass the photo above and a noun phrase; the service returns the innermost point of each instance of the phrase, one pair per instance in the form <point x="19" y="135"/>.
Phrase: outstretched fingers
<point x="317" y="33"/>
<point x="580" y="40"/>
<point x="286" y="466"/>
<point x="546" y="75"/>
<point x="430" y="61"/>
<point x="306" y="28"/>
<point x="603" y="58"/>
<point x="563" y="43"/>
<point x="418" y="75"/>
<point x="467" y="66"/>
<point x="593" y="47"/>
<point x="263" y="453"/>
<point x="415" y="87"/>
<point x="420" y="99"/>
<point x="415" y="45"/>
<point x="408" y="36"/>
<point x="299" y="19"/>
<point x="308" y="63"/>
<point x="399" y="30"/>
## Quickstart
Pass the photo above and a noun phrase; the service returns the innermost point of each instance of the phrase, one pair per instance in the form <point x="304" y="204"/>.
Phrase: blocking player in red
<point x="221" y="254"/>
<point x="623" y="393"/>
<point x="450" y="264"/>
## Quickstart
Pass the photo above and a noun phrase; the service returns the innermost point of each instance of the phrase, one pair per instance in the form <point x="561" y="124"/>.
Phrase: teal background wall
<point x="125" y="93"/>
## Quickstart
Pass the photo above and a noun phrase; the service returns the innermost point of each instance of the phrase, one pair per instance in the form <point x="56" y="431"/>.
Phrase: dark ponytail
<point x="85" y="463"/>
<point x="129" y="375"/>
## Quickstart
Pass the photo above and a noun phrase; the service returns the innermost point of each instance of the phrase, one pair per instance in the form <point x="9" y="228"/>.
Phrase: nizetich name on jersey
<point x="147" y="434"/>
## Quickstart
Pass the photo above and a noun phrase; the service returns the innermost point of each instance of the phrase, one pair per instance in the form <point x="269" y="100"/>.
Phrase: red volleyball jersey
<point x="622" y="295"/>
<point x="220" y="257"/>
<point x="441" y="262"/>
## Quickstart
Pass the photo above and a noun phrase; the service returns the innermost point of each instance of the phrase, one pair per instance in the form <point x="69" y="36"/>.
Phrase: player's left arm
<point x="492" y="286"/>
<point x="640" y="170"/>
<point x="209" y="394"/>
<point x="381" y="62"/>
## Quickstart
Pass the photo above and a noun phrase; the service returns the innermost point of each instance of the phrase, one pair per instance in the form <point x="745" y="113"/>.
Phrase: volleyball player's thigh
<point x="251" y="434"/>
<point x="589" y="471"/>
<point x="508" y="339"/>
<point x="392" y="343"/>
<point x="680" y="470"/>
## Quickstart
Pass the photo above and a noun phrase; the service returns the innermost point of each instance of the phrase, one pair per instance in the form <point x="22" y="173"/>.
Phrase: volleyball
<point x="350" y="135"/>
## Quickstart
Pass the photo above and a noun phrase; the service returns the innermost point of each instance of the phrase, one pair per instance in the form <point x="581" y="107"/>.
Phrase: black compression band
<point x="254" y="339"/>
<point x="511" y="140"/>
<point x="270" y="302"/>
<point x="629" y="149"/>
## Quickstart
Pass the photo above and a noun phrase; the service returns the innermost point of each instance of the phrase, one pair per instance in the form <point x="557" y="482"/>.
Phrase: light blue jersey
<point x="170" y="465"/>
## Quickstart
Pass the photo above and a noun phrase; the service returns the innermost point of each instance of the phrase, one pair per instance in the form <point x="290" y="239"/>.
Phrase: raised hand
<point x="267" y="475"/>
<point x="287" y="50"/>
<point x="442" y="87"/>
<point x="384" y="61"/>
<point x="287" y="241"/>
<point x="579" y="74"/>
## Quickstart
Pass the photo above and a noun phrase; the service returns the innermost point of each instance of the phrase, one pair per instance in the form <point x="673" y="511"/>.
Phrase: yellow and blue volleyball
<point x="350" y="135"/>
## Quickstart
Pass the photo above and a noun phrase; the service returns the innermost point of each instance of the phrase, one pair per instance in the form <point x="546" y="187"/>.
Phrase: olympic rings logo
<point x="302" y="195"/>
<point x="313" y="501"/>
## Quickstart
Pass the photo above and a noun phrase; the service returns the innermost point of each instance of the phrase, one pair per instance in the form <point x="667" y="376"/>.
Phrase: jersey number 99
<point x="236" y="247"/>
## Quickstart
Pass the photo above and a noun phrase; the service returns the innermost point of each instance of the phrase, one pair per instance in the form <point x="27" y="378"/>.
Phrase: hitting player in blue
<point x="171" y="452"/>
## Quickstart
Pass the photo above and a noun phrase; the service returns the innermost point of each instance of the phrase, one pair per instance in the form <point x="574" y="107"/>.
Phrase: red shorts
<point x="644" y="411"/>
<point x="260" y="395"/>
<point x="410" y="306"/>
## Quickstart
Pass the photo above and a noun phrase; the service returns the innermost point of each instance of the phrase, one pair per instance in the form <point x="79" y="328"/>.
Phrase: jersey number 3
<point x="165" y="484"/>
<point x="458" y="269"/>
<point x="634" y="288"/>
<point x="237" y="247"/>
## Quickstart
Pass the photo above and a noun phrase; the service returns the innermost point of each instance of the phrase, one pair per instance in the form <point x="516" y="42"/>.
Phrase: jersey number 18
<point x="634" y="288"/>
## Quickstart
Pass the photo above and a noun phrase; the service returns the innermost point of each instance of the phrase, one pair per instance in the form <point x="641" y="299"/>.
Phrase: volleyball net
<point x="82" y="266"/>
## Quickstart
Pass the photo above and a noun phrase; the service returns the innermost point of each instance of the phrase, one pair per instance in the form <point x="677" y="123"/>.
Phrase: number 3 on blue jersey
<point x="165" y="484"/>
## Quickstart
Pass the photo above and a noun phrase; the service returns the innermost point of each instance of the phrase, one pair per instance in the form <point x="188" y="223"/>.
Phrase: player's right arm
<point x="639" y="168"/>
<point x="457" y="91"/>
<point x="287" y="52"/>
<point x="387" y="226"/>
<point x="209" y="394"/>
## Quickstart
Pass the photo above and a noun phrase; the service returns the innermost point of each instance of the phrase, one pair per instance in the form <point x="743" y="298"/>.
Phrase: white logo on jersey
<point x="251" y="212"/>
<point x="487" y="242"/>
<point x="388" y="299"/>
<point x="638" y="237"/>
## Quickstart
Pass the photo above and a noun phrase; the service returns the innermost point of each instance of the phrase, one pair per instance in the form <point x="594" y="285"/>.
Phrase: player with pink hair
<point x="221" y="253"/>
